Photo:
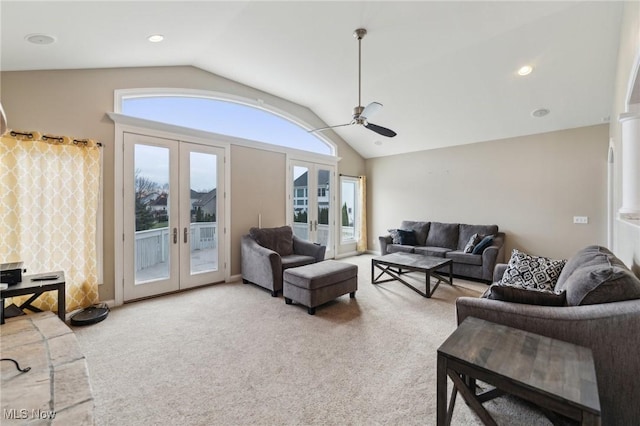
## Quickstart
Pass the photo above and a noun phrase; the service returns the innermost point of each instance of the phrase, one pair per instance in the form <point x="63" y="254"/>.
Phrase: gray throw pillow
<point x="525" y="296"/>
<point x="532" y="272"/>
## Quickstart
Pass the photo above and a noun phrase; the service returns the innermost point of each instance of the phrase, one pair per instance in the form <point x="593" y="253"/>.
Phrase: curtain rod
<point x="58" y="139"/>
<point x="355" y="177"/>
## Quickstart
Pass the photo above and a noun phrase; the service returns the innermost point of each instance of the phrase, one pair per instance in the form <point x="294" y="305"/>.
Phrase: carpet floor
<point x="230" y="354"/>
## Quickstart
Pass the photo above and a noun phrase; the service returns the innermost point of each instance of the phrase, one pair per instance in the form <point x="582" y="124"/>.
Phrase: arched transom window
<point x="227" y="118"/>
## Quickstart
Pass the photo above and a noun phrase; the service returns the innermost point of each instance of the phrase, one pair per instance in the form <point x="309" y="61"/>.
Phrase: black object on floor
<point x="90" y="315"/>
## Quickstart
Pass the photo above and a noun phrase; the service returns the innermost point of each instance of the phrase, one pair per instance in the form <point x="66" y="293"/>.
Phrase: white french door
<point x="172" y="209"/>
<point x="313" y="198"/>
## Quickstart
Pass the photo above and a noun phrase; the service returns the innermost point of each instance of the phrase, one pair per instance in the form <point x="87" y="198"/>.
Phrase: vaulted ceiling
<point x="446" y="72"/>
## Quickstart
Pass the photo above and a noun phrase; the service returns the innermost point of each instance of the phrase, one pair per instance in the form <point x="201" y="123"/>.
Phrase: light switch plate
<point x="583" y="220"/>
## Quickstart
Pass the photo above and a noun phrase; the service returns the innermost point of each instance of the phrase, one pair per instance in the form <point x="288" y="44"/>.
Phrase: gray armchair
<point x="267" y="252"/>
<point x="608" y="327"/>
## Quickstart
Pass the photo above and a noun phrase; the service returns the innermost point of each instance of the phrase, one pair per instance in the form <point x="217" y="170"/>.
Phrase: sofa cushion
<point x="466" y="231"/>
<point x="525" y="296"/>
<point x="407" y="238"/>
<point x="443" y="235"/>
<point x="279" y="239"/>
<point x="590" y="255"/>
<point x="420" y="228"/>
<point x="466" y="258"/>
<point x="602" y="282"/>
<point x="483" y="244"/>
<point x="533" y="272"/>
<point x="295" y="260"/>
<point x="399" y="248"/>
<point x="321" y="274"/>
<point x="431" y="251"/>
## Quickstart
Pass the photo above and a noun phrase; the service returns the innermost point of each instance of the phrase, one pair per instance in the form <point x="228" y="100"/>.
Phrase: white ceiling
<point x="445" y="71"/>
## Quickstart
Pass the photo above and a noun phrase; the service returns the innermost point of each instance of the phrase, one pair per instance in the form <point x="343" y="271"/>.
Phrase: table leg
<point x="441" y="391"/>
<point x="62" y="308"/>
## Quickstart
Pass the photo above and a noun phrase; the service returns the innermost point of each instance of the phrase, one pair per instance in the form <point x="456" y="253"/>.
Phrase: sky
<point x="226" y="118"/>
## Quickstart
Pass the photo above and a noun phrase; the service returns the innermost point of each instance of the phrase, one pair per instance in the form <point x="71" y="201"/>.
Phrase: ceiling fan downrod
<point x="359" y="35"/>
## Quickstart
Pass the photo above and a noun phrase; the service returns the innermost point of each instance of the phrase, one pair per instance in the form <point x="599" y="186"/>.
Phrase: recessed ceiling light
<point x="525" y="70"/>
<point x="541" y="112"/>
<point x="155" y="38"/>
<point x="378" y="143"/>
<point x="40" y="39"/>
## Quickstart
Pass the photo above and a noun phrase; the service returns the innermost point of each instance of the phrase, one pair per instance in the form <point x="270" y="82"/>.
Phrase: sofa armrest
<point x="308" y="248"/>
<point x="498" y="271"/>
<point x="384" y="241"/>
<point x="608" y="329"/>
<point x="492" y="255"/>
<point x="260" y="265"/>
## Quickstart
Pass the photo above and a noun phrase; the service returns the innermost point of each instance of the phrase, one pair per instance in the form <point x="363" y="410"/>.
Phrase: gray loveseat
<point x="601" y="312"/>
<point x="267" y="252"/>
<point x="449" y="240"/>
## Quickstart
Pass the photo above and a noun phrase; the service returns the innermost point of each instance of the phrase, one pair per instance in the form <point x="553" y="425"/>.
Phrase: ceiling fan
<point x="361" y="114"/>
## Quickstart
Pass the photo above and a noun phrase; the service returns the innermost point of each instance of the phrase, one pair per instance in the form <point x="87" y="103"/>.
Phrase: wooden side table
<point x="36" y="285"/>
<point x="557" y="376"/>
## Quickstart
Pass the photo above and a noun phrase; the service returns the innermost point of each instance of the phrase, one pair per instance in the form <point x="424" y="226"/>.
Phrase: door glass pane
<point x="348" y="213"/>
<point x="151" y="172"/>
<point x="204" y="208"/>
<point x="324" y="196"/>
<point x="301" y="202"/>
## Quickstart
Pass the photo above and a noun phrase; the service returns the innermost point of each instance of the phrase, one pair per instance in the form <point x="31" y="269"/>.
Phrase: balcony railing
<point x="152" y="245"/>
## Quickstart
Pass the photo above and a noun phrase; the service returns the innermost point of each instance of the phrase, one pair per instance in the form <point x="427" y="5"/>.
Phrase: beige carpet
<point x="230" y="354"/>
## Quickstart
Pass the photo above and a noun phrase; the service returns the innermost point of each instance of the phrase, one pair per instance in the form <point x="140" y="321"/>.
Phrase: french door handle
<point x="316" y="223"/>
<point x="185" y="234"/>
<point x="175" y="235"/>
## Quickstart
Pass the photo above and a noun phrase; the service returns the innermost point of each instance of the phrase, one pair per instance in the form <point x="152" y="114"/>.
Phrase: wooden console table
<point x="35" y="285"/>
<point x="557" y="376"/>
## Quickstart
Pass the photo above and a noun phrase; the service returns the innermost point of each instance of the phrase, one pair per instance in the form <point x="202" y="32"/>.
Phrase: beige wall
<point x="530" y="186"/>
<point x="74" y="103"/>
<point x="626" y="236"/>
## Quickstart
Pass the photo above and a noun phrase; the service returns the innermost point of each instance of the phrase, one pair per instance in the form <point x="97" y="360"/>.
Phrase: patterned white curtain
<point x="361" y="246"/>
<point x="49" y="190"/>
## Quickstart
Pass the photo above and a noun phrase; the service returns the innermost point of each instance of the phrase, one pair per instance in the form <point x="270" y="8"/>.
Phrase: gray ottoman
<point x="317" y="283"/>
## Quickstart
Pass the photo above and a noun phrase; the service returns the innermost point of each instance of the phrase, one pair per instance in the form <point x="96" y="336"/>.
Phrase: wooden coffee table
<point x="396" y="264"/>
<point x="557" y="376"/>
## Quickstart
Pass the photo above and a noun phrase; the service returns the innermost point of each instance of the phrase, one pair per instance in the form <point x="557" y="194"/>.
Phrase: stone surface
<point x="56" y="390"/>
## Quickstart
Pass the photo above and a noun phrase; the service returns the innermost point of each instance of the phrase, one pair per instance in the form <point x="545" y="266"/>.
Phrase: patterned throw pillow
<point x="532" y="272"/>
<point x="395" y="235"/>
<point x="475" y="239"/>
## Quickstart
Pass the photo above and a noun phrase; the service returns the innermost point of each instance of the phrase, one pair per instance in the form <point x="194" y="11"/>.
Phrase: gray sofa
<point x="601" y="311"/>
<point x="267" y="252"/>
<point x="448" y="240"/>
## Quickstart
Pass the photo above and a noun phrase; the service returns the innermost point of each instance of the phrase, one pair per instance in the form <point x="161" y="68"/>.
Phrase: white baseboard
<point x="234" y="278"/>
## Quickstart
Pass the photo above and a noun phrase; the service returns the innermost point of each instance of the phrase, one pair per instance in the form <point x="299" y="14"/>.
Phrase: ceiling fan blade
<point x="329" y="127"/>
<point x="380" y="130"/>
<point x="370" y="110"/>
